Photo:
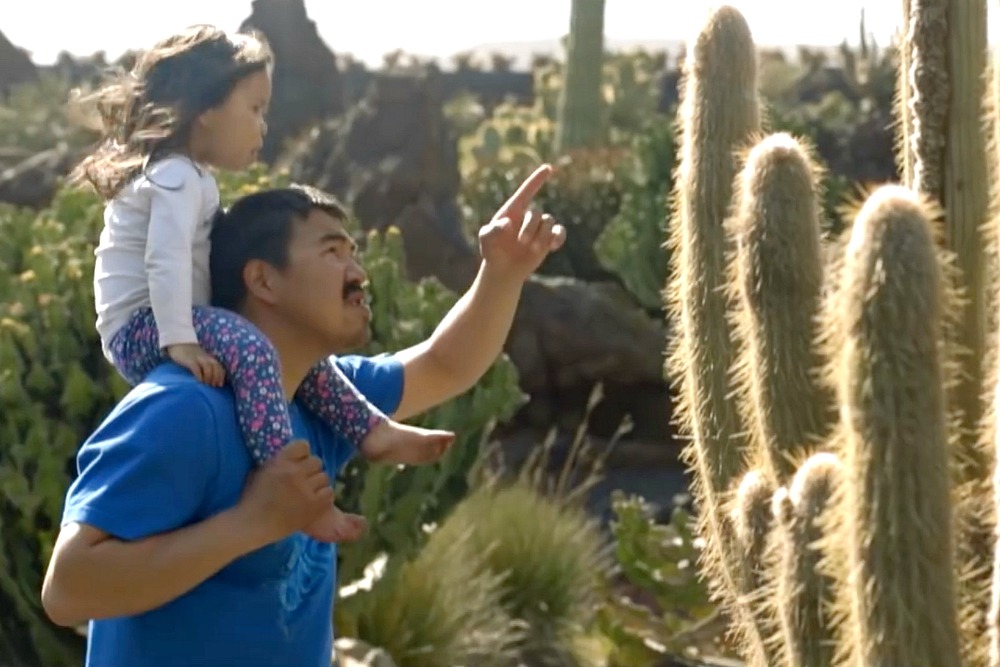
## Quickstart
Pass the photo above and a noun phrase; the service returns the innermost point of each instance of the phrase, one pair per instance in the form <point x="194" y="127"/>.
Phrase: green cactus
<point x="580" y="101"/>
<point x="914" y="437"/>
<point x="719" y="115"/>
<point x="945" y="54"/>
<point x="803" y="591"/>
<point x="778" y="278"/>
<point x="756" y="624"/>
<point x="891" y="379"/>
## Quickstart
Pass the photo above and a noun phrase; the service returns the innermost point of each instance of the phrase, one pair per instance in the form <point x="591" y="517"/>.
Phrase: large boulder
<point x="15" y="66"/>
<point x="307" y="83"/>
<point x="392" y="150"/>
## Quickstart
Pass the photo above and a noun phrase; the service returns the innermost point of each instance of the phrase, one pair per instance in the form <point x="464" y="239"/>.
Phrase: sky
<point x="367" y="29"/>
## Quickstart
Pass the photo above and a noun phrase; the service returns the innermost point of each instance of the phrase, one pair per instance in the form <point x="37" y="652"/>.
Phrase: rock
<point x="15" y="66"/>
<point x="394" y="149"/>
<point x="307" y="82"/>
<point x="33" y="181"/>
<point x="585" y="333"/>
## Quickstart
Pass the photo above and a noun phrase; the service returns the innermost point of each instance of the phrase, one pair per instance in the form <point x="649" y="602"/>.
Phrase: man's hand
<point x="517" y="240"/>
<point x="204" y="366"/>
<point x="288" y="493"/>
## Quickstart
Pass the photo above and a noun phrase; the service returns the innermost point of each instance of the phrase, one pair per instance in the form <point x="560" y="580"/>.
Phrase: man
<point x="173" y="546"/>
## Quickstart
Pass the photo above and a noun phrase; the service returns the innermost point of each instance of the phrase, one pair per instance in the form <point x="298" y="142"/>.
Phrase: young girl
<point x="198" y="99"/>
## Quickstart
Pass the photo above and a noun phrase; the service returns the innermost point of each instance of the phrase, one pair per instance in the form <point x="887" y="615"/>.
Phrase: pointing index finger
<point x="526" y="192"/>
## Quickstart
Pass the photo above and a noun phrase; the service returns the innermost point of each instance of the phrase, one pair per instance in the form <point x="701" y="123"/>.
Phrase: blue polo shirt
<point x="171" y="454"/>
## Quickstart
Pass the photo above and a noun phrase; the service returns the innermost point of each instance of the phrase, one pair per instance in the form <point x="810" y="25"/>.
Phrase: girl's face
<point x="231" y="135"/>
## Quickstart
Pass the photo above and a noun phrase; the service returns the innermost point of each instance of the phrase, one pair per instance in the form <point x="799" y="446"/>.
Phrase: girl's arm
<point x="175" y="204"/>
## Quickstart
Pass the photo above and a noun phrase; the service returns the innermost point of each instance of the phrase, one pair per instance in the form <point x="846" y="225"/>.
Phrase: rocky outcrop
<point x="392" y="150"/>
<point x="307" y="84"/>
<point x="33" y="180"/>
<point x="15" y="66"/>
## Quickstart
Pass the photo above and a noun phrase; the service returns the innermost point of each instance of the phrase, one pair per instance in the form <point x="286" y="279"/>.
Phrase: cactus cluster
<point x="838" y="393"/>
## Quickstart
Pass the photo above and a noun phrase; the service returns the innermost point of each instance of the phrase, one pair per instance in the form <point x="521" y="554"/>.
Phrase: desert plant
<point x="580" y="105"/>
<point x="719" y="115"/>
<point x="554" y="557"/>
<point x="443" y="607"/>
<point x="889" y="345"/>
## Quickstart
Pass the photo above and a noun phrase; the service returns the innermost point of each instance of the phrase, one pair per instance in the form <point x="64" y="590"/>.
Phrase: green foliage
<point x="661" y="561"/>
<point x="55" y="386"/>
<point x="440" y="608"/>
<point x="631" y="92"/>
<point x="552" y="553"/>
<point x="632" y="243"/>
<point x="513" y="136"/>
<point x="34" y="118"/>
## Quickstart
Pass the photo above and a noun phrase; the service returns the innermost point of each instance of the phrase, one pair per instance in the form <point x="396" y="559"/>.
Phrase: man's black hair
<point x="259" y="226"/>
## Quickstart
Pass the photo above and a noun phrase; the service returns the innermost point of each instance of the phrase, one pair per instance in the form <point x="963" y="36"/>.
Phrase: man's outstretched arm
<point x="471" y="336"/>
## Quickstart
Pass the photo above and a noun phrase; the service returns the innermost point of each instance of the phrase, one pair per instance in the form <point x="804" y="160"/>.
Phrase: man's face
<point x="321" y="288"/>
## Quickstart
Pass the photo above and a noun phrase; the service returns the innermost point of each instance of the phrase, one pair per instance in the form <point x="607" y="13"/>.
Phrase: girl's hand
<point x="204" y="366"/>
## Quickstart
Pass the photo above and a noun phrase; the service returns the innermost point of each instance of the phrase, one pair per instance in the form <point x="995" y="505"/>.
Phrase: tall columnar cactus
<point x="890" y="379"/>
<point x="719" y="116"/>
<point x="945" y="56"/>
<point x="778" y="278"/>
<point x="804" y="590"/>
<point x="580" y="105"/>
<point x="904" y="538"/>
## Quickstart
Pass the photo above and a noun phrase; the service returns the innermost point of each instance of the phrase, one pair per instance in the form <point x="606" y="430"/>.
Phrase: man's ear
<point x="260" y="279"/>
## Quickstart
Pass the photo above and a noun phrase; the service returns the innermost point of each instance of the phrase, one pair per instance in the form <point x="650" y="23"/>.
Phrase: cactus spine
<point x="946" y="51"/>
<point x="804" y="591"/>
<point x="947" y="145"/>
<point x="719" y="115"/>
<point x="752" y="521"/>
<point x="897" y="509"/>
<point x="778" y="281"/>
<point x="904" y="516"/>
<point x="580" y="105"/>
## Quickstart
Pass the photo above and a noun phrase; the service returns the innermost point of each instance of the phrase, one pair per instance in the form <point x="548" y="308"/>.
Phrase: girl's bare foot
<point x="401" y="443"/>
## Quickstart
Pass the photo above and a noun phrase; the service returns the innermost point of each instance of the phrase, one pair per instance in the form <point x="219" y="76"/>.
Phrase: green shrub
<point x="441" y="608"/>
<point x="631" y="245"/>
<point x="552" y="556"/>
<point x="661" y="561"/>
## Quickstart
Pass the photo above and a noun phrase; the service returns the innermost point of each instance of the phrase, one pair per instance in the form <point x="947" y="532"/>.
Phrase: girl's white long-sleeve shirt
<point x="154" y="250"/>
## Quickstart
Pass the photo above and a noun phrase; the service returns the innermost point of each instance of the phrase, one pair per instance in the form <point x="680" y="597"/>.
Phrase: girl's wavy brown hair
<point x="149" y="111"/>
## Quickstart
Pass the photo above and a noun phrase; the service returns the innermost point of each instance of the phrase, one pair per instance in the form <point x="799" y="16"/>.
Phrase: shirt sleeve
<point x="175" y="198"/>
<point x="148" y="467"/>
<point x="380" y="378"/>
